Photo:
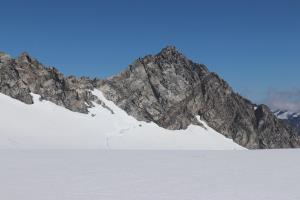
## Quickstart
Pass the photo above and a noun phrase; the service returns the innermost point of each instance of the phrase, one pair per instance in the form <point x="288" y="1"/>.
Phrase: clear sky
<point x="254" y="45"/>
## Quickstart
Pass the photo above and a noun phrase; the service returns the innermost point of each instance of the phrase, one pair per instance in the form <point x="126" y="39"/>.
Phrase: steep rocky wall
<point x="171" y="91"/>
<point x="21" y="76"/>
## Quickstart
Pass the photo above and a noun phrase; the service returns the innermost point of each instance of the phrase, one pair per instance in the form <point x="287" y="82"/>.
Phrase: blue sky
<point x="254" y="45"/>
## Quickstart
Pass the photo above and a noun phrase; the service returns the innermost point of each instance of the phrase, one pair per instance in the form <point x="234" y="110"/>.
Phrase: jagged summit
<point x="170" y="51"/>
<point x="172" y="55"/>
<point x="4" y="56"/>
<point x="167" y="89"/>
<point x="169" y="48"/>
<point x="171" y="91"/>
<point x="25" y="57"/>
<point x="24" y="75"/>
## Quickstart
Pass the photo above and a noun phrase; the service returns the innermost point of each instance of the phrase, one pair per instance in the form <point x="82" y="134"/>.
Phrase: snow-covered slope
<point x="46" y="125"/>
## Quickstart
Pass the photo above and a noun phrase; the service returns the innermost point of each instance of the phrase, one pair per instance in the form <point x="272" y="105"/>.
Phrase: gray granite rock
<point x="24" y="75"/>
<point x="167" y="89"/>
<point x="171" y="91"/>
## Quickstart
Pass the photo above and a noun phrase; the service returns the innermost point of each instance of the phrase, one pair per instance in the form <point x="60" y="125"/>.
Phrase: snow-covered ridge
<point x="46" y="125"/>
<point x="286" y="114"/>
<point x="292" y="119"/>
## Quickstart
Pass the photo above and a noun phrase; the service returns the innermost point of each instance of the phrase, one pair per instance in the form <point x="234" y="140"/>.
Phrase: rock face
<point x="166" y="88"/>
<point x="171" y="91"/>
<point x="294" y="122"/>
<point x="21" y="76"/>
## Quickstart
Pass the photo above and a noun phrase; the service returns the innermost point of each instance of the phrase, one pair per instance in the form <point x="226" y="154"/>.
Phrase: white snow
<point x="149" y="175"/>
<point x="286" y="114"/>
<point x="34" y="165"/>
<point x="45" y="125"/>
<point x="296" y="115"/>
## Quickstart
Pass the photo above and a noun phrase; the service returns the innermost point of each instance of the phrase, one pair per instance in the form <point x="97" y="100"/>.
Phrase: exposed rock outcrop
<point x="166" y="88"/>
<point x="171" y="91"/>
<point x="21" y="76"/>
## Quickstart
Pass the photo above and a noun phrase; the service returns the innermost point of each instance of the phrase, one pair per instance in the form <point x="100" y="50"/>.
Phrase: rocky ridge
<point x="171" y="90"/>
<point x="24" y="75"/>
<point x="166" y="88"/>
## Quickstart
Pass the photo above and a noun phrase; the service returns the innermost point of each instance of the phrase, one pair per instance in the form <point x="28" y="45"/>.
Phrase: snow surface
<point x="45" y="125"/>
<point x="149" y="175"/>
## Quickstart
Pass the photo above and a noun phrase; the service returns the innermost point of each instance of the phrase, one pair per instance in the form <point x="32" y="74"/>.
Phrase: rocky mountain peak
<point x="170" y="64"/>
<point x="169" y="51"/>
<point x="4" y="57"/>
<point x="167" y="89"/>
<point x="24" y="57"/>
<point x="171" y="91"/>
<point x="25" y="75"/>
<point x="170" y="54"/>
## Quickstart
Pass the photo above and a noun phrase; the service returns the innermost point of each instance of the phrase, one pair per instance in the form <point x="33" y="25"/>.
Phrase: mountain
<point x="171" y="90"/>
<point x="24" y="75"/>
<point x="49" y="110"/>
<point x="290" y="118"/>
<point x="166" y="89"/>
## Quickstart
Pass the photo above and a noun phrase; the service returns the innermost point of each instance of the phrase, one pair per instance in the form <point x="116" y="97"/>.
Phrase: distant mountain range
<point x="166" y="89"/>
<point x="290" y="118"/>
